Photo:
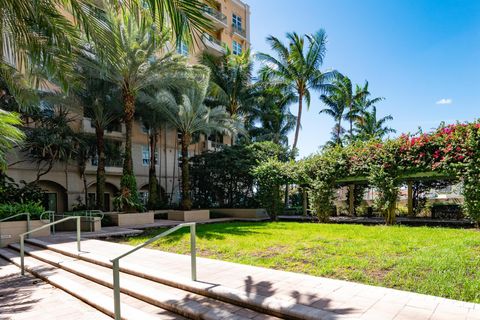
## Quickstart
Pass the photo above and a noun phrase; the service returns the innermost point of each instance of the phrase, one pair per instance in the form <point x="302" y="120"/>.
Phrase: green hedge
<point x="34" y="208"/>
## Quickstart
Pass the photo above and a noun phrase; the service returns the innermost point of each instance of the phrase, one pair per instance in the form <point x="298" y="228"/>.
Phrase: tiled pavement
<point x="25" y="297"/>
<point x="339" y="299"/>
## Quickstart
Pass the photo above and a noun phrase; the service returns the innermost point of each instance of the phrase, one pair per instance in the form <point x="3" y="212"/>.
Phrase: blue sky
<point x="413" y="52"/>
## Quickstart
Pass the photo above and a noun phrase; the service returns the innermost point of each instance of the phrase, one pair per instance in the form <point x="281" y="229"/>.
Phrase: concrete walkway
<point x="334" y="299"/>
<point x="25" y="297"/>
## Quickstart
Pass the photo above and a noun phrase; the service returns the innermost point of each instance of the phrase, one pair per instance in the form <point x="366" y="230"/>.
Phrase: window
<point x="237" y="22"/>
<point x="144" y="129"/>
<point x="143" y="197"/>
<point x="236" y="48"/>
<point x="146" y="155"/>
<point x="183" y="48"/>
<point x="91" y="200"/>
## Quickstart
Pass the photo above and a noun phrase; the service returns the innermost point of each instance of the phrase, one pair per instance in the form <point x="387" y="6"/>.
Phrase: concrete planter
<point x="242" y="213"/>
<point x="189" y="216"/>
<point x="10" y="231"/>
<point x="86" y="225"/>
<point x="130" y="219"/>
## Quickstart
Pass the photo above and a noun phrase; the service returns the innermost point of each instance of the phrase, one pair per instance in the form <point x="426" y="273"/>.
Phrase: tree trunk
<point x="186" y="201"/>
<point x="100" y="188"/>
<point x="152" y="174"/>
<point x="299" y="117"/>
<point x="129" y="111"/>
<point x="339" y="131"/>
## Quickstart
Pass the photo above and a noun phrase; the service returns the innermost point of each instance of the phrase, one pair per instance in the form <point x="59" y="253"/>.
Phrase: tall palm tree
<point x="152" y="119"/>
<point x="372" y="128"/>
<point x="9" y="134"/>
<point x="273" y="115"/>
<point x="41" y="38"/>
<point x="137" y="58"/>
<point x="231" y="84"/>
<point x="297" y="67"/>
<point x="190" y="116"/>
<point x="336" y="106"/>
<point x="343" y="89"/>
<point x="101" y="103"/>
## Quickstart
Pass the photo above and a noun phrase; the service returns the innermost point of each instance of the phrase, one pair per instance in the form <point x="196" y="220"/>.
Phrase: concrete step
<point x="271" y="306"/>
<point x="89" y="292"/>
<point x="188" y="304"/>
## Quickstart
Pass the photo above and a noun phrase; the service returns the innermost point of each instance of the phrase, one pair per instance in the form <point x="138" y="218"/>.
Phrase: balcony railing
<point x="116" y="163"/>
<point x="216" y="14"/>
<point x="239" y="30"/>
<point x="213" y="43"/>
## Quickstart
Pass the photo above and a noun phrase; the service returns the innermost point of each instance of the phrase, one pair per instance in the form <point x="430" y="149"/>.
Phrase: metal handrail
<point x="22" y="238"/>
<point x="14" y="216"/>
<point x="116" y="261"/>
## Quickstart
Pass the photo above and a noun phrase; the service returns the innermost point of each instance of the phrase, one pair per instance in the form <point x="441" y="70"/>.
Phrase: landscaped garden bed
<point x="438" y="261"/>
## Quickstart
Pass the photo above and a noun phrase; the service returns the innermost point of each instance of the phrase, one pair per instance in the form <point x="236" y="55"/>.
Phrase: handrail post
<point x="28" y="224"/>
<point x="79" y="227"/>
<point x="116" y="289"/>
<point x="22" y="255"/>
<point x="52" y="219"/>
<point x="193" y="251"/>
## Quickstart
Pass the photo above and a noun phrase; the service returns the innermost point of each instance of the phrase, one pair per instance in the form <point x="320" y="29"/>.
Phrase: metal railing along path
<point x="116" y="262"/>
<point x="22" y="238"/>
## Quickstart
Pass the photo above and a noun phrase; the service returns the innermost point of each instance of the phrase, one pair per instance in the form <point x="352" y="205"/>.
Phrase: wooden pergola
<point x="409" y="178"/>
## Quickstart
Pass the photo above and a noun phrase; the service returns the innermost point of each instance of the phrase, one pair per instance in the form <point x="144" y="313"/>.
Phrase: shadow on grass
<point x="217" y="231"/>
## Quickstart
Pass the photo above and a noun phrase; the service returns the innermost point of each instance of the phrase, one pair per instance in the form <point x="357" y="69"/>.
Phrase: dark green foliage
<point x="11" y="192"/>
<point x="225" y="179"/>
<point x="34" y="208"/>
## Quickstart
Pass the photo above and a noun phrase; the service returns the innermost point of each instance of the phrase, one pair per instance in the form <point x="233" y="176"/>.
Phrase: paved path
<point x="340" y="299"/>
<point x="25" y="297"/>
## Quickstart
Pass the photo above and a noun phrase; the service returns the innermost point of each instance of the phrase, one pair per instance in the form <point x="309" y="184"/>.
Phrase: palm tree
<point x="372" y="128"/>
<point x="9" y="134"/>
<point x="231" y="83"/>
<point x="343" y="89"/>
<point x="39" y="39"/>
<point x="272" y="113"/>
<point x="152" y="119"/>
<point x="336" y="109"/>
<point x="137" y="58"/>
<point x="296" y="67"/>
<point x="101" y="101"/>
<point x="190" y="116"/>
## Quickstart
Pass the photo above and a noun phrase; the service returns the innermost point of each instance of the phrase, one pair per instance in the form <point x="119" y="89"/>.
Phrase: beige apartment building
<point x="64" y="186"/>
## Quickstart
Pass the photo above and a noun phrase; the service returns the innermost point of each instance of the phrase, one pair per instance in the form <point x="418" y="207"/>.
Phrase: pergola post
<point x="410" y="197"/>
<point x="351" y="205"/>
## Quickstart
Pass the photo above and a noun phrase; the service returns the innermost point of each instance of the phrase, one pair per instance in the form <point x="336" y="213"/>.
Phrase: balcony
<point x="213" y="45"/>
<point x="238" y="30"/>
<point x="118" y="133"/>
<point x="112" y="166"/>
<point x="213" y="146"/>
<point x="219" y="19"/>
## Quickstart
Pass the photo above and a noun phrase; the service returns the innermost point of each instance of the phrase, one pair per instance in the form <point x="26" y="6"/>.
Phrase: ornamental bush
<point x="450" y="151"/>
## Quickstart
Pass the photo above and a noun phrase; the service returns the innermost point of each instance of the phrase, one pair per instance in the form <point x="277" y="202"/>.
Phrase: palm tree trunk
<point x="100" y="189"/>
<point x="186" y="201"/>
<point x="299" y="117"/>
<point x="152" y="175"/>
<point x="129" y="111"/>
<point x="339" y="131"/>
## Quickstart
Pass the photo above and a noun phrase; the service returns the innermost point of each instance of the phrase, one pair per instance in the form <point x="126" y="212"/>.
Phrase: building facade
<point x="64" y="186"/>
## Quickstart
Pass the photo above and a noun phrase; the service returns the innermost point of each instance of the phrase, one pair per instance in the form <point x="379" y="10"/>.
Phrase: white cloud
<point x="444" y="101"/>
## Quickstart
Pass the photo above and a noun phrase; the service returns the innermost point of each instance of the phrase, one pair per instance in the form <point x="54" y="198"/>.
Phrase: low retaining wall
<point x="242" y="213"/>
<point x="189" y="216"/>
<point x="130" y="219"/>
<point x="11" y="230"/>
<point x="86" y="225"/>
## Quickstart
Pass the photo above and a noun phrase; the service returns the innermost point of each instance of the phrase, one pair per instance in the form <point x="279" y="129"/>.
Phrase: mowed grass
<point x="438" y="261"/>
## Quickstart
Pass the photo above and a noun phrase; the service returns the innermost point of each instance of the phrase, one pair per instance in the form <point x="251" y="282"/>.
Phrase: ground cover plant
<point x="437" y="261"/>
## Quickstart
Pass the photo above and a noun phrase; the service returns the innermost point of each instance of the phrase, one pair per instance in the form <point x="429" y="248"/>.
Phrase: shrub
<point x="34" y="208"/>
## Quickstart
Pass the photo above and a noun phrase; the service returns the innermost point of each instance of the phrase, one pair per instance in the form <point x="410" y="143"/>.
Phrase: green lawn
<point x="438" y="261"/>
